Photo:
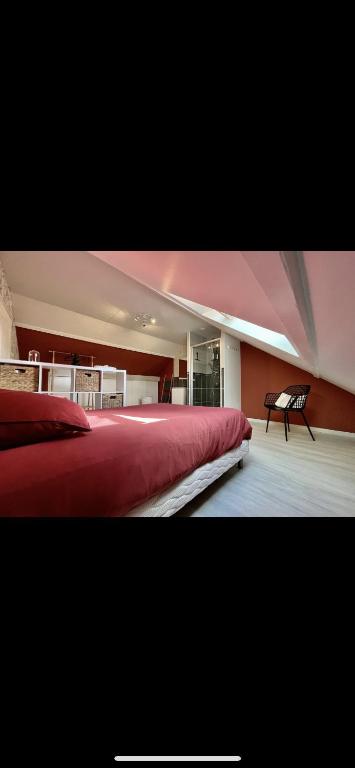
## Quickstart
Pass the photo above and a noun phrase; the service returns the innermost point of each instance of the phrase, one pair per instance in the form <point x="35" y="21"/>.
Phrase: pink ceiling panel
<point x="221" y="280"/>
<point x="331" y="277"/>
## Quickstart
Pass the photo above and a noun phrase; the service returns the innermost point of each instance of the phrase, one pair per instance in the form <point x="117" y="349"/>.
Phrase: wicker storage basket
<point x="87" y="381"/>
<point x="20" y="377"/>
<point x="112" y="401"/>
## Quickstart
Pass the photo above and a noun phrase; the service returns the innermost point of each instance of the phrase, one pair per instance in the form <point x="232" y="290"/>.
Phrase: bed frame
<point x="178" y="495"/>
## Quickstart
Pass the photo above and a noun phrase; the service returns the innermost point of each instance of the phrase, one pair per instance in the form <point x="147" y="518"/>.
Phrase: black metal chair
<point x="299" y="394"/>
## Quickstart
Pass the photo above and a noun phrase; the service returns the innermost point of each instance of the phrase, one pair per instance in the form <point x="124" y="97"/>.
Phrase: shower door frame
<point x="191" y="369"/>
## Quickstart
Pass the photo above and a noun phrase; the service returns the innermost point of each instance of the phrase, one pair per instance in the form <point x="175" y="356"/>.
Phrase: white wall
<point x="8" y="340"/>
<point x="230" y="361"/>
<point x="40" y="316"/>
<point x="5" y="333"/>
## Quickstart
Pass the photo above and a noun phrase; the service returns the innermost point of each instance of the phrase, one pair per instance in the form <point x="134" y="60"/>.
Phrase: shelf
<point x="112" y="381"/>
<point x="62" y="365"/>
<point x="77" y="392"/>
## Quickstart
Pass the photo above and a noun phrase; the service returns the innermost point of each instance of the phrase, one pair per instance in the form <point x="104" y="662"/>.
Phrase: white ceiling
<point x="78" y="281"/>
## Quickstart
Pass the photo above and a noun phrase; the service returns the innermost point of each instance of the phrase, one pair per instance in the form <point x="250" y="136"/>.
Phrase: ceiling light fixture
<point x="143" y="319"/>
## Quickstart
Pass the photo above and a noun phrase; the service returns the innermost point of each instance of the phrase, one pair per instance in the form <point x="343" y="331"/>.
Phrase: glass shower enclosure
<point x="206" y="373"/>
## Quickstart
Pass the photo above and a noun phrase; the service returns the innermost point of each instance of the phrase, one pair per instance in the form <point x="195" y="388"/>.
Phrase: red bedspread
<point x="130" y="455"/>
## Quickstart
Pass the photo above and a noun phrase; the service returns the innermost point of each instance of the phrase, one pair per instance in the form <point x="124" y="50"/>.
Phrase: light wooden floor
<point x="298" y="478"/>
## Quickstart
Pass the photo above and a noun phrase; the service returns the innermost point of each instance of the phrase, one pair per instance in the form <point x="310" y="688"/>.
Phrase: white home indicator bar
<point x="232" y="758"/>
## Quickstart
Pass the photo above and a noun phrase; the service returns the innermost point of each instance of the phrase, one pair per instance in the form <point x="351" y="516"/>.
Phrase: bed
<point x="178" y="495"/>
<point x="138" y="461"/>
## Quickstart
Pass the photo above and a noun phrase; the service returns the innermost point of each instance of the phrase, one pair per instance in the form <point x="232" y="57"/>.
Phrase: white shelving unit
<point x="60" y="380"/>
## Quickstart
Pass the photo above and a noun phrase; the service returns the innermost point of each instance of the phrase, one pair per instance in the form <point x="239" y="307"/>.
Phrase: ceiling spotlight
<point x="143" y="319"/>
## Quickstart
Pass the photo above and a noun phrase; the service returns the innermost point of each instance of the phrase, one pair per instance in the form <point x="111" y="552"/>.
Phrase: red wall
<point x="132" y="362"/>
<point x="328" y="406"/>
<point x="183" y="369"/>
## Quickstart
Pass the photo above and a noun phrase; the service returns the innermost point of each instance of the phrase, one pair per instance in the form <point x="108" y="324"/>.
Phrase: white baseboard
<point x="317" y="430"/>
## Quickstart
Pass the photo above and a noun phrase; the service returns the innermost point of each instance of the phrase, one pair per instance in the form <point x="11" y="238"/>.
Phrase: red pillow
<point x="26" y="417"/>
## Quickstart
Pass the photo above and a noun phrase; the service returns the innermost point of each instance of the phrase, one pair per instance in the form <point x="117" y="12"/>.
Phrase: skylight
<point x="272" y="338"/>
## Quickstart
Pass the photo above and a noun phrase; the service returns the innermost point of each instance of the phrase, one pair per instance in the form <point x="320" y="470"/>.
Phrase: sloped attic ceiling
<point x="306" y="296"/>
<point x="77" y="281"/>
